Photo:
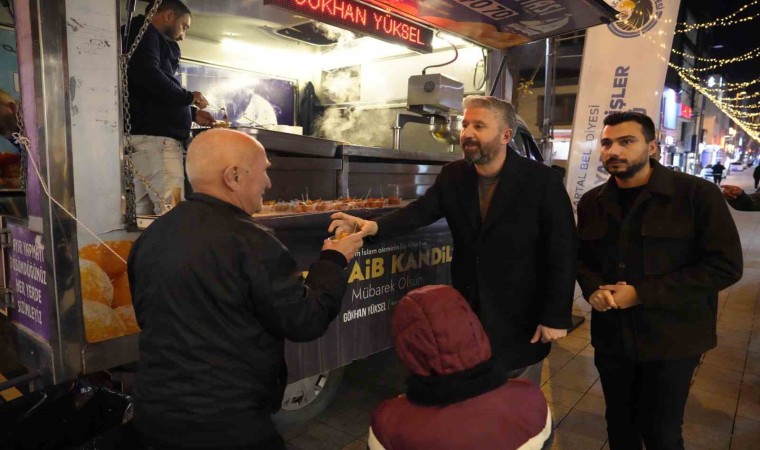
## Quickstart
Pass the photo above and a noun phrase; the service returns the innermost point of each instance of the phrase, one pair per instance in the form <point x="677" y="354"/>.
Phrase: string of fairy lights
<point x="723" y="21"/>
<point x="739" y="100"/>
<point x="719" y="62"/>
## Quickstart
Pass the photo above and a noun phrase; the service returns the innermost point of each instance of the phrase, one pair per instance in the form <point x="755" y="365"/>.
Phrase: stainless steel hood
<point x="514" y="22"/>
<point x="247" y="19"/>
<point x="254" y="12"/>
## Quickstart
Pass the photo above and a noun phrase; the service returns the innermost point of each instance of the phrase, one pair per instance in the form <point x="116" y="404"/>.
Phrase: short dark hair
<point x="647" y="126"/>
<point x="179" y="8"/>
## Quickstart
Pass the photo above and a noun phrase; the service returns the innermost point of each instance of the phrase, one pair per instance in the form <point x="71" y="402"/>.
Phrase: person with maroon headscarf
<point x="458" y="396"/>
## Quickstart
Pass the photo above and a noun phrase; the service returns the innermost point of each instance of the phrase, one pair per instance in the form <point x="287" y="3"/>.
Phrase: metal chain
<point x="130" y="171"/>
<point x="21" y="137"/>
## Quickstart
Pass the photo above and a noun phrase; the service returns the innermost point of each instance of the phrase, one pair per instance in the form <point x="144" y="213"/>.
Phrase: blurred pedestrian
<point x="717" y="171"/>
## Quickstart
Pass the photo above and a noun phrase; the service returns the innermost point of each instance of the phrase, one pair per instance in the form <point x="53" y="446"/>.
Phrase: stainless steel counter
<point x="276" y="141"/>
<point x="389" y="153"/>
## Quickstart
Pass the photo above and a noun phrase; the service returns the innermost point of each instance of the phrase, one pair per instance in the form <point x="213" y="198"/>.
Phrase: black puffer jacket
<point x="216" y="295"/>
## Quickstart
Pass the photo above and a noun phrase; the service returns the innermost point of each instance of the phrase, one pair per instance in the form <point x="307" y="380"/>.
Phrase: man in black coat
<point x="656" y="247"/>
<point x="717" y="171"/>
<point x="159" y="107"/>
<point x="514" y="237"/>
<point x="216" y="295"/>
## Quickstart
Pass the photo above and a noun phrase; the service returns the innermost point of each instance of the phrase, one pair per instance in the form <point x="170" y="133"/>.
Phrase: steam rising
<point x="368" y="127"/>
<point x="342" y="85"/>
<point x="335" y="33"/>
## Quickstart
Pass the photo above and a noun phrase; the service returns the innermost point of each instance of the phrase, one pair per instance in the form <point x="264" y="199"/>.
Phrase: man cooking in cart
<point x="161" y="110"/>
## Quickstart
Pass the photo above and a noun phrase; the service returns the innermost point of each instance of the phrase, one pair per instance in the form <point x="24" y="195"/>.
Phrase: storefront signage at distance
<point x="686" y="111"/>
<point x="363" y="19"/>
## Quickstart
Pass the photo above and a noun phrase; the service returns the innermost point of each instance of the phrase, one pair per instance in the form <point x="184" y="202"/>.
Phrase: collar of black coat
<point x="215" y="202"/>
<point x="456" y="387"/>
<point x="661" y="182"/>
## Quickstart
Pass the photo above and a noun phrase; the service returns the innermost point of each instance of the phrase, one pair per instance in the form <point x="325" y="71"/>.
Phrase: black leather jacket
<point x="216" y="295"/>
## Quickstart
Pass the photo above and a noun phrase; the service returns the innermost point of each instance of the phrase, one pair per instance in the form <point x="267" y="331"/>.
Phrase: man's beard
<point x="631" y="170"/>
<point x="484" y="153"/>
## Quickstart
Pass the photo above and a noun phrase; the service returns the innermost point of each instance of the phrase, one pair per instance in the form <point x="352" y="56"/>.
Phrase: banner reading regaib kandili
<point x="624" y="67"/>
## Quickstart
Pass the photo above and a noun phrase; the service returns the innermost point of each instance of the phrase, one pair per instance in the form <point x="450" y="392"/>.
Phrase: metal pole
<point x="548" y="119"/>
<point x="18" y="381"/>
<point x="698" y="140"/>
<point x="131" y="5"/>
<point x="498" y="74"/>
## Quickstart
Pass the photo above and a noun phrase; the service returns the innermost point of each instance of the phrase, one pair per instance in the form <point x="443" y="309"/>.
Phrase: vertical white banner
<point x="623" y="69"/>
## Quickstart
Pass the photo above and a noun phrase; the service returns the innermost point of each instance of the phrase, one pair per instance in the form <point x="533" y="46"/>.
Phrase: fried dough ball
<point x="99" y="254"/>
<point x="127" y="315"/>
<point x="96" y="285"/>
<point x="101" y="322"/>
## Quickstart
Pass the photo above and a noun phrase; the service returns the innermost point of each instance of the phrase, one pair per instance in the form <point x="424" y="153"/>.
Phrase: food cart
<point x="66" y="310"/>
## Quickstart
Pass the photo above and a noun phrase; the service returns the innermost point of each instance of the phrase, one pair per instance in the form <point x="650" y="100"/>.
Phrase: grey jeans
<point x="159" y="160"/>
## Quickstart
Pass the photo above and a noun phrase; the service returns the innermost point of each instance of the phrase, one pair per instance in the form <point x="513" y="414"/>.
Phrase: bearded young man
<point x="159" y="107"/>
<point x="656" y="247"/>
<point x="514" y="237"/>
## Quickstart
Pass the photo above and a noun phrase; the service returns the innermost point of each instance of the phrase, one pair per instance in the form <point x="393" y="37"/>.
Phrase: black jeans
<point x="717" y="178"/>
<point x="645" y="401"/>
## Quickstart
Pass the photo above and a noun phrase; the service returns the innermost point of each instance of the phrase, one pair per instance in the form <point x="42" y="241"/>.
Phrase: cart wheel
<point x="305" y="399"/>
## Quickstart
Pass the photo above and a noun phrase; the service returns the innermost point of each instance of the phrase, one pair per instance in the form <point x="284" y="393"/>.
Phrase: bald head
<point x="230" y="166"/>
<point x="213" y="151"/>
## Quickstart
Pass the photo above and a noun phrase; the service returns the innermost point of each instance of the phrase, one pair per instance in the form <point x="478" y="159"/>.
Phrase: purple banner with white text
<point x="28" y="279"/>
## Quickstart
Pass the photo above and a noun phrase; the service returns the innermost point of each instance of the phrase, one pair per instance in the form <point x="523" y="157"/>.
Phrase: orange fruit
<point x="121" y="294"/>
<point x="127" y="315"/>
<point x="101" y="322"/>
<point x="96" y="286"/>
<point x="109" y="262"/>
